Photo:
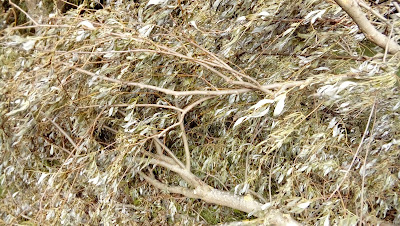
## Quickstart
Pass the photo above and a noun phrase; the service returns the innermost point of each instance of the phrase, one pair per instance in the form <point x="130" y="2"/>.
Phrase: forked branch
<point x="201" y="190"/>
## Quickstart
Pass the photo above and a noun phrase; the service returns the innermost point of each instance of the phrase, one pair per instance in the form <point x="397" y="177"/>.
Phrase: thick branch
<point x="223" y="198"/>
<point x="209" y="195"/>
<point x="352" y="8"/>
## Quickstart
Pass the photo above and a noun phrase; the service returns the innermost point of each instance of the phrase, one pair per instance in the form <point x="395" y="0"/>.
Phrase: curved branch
<point x="352" y="8"/>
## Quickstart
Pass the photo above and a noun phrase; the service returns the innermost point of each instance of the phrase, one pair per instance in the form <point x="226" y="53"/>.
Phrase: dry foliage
<point x="118" y="115"/>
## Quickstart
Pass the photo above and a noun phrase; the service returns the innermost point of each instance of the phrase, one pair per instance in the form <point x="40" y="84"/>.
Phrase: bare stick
<point x="64" y="133"/>
<point x="209" y="195"/>
<point x="159" y="150"/>
<point x="186" y="110"/>
<point x="225" y="65"/>
<point x="363" y="175"/>
<point x="356" y="154"/>
<point x="184" y="137"/>
<point x="26" y="14"/>
<point x="173" y="156"/>
<point x="353" y="9"/>
<point x="161" y="186"/>
<point x="185" y="174"/>
<point x="387" y="44"/>
<point x="376" y="13"/>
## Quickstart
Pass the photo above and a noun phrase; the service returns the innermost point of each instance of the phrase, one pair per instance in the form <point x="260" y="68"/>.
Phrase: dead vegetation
<point x="168" y="112"/>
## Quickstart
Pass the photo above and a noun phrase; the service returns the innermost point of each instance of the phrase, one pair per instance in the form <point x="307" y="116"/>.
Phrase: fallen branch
<point x="211" y="195"/>
<point x="26" y="14"/>
<point x="352" y="8"/>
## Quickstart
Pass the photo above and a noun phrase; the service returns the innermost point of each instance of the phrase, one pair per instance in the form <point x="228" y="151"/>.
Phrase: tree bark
<point x="352" y="8"/>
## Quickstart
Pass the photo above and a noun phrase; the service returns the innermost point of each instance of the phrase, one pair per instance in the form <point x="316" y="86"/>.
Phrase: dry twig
<point x="356" y="154"/>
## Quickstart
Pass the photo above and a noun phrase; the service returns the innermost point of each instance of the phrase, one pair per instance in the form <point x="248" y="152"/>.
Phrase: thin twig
<point x="186" y="110"/>
<point x="241" y="83"/>
<point x="270" y="178"/>
<point x="148" y="51"/>
<point x="185" y="141"/>
<point x="217" y="179"/>
<point x="35" y="26"/>
<point x="206" y="64"/>
<point x="247" y="166"/>
<point x="26" y="14"/>
<point x="161" y="157"/>
<point x="253" y="193"/>
<point x="64" y="133"/>
<point x="185" y="174"/>
<point x="55" y="145"/>
<point x="356" y="154"/>
<point x="110" y="129"/>
<point x="169" y="152"/>
<point x="376" y="13"/>
<point x="166" y="91"/>
<point x="210" y="54"/>
<point x="324" y="56"/>
<point x="184" y="137"/>
<point x="173" y="53"/>
<point x="159" y="150"/>
<point x="387" y="44"/>
<point x="363" y="173"/>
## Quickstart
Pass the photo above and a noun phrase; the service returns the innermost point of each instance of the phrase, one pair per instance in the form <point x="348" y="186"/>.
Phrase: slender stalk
<point x="356" y="154"/>
<point x="26" y="14"/>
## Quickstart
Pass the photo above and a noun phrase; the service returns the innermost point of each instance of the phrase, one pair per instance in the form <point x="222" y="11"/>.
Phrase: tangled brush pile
<point x="185" y="112"/>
